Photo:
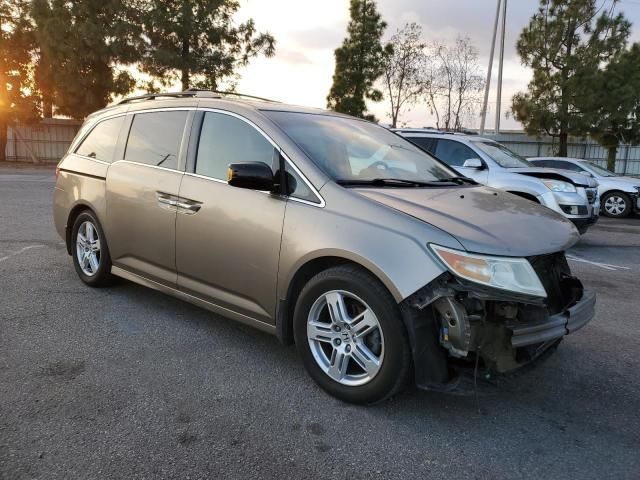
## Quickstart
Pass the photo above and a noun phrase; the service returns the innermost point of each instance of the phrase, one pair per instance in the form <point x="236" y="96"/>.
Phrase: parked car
<point x="382" y="264"/>
<point x="493" y="164"/>
<point x="619" y="195"/>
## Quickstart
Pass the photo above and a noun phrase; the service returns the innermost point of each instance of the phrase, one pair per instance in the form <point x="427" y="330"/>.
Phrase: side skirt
<point x="225" y="312"/>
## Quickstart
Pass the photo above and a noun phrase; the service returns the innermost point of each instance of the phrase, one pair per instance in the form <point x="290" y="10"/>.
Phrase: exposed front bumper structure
<point x="454" y="325"/>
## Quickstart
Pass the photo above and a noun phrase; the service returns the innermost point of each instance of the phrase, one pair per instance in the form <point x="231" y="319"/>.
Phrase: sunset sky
<point x="308" y="31"/>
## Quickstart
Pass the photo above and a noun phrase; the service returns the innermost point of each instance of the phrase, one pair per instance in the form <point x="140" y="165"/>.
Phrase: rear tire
<point x="616" y="204"/>
<point x="90" y="252"/>
<point x="349" y="332"/>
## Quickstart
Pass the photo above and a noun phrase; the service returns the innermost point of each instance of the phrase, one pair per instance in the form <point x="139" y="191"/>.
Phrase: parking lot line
<point x="606" y="266"/>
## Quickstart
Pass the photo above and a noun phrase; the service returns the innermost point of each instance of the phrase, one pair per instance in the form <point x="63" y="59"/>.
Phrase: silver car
<point x="620" y="195"/>
<point x="491" y="163"/>
<point x="380" y="263"/>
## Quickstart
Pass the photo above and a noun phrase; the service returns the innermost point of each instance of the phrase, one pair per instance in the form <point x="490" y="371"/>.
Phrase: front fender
<point x="389" y="248"/>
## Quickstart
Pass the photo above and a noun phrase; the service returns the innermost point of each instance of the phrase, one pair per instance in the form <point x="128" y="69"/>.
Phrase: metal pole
<point x="483" y="113"/>
<point x="502" y="34"/>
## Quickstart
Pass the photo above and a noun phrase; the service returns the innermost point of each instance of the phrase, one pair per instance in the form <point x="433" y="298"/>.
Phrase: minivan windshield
<point x="502" y="155"/>
<point x="603" y="172"/>
<point x="354" y="151"/>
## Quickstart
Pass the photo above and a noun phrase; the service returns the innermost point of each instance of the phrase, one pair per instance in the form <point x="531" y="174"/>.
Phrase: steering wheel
<point x="378" y="164"/>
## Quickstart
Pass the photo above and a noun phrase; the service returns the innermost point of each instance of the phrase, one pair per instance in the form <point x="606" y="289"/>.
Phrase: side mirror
<point x="251" y="175"/>
<point x="473" y="163"/>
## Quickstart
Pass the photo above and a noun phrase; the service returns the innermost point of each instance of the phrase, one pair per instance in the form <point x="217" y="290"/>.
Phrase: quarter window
<point x="101" y="141"/>
<point x="155" y="138"/>
<point x="297" y="187"/>
<point x="225" y="139"/>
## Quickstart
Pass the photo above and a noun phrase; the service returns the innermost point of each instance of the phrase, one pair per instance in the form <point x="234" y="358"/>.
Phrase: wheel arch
<point x="526" y="195"/>
<point x="304" y="273"/>
<point x="75" y="211"/>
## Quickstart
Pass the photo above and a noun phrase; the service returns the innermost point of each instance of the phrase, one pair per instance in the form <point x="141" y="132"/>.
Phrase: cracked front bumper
<point x="556" y="326"/>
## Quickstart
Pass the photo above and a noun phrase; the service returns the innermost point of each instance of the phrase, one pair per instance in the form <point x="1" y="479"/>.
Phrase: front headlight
<point x="505" y="273"/>
<point x="559" y="186"/>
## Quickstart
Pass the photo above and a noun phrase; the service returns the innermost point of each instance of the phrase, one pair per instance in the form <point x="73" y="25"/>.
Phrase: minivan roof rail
<point x="234" y="94"/>
<point x="434" y="131"/>
<point x="191" y="92"/>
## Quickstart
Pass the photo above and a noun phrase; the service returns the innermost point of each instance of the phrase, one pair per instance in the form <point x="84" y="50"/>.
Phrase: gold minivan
<point x="383" y="265"/>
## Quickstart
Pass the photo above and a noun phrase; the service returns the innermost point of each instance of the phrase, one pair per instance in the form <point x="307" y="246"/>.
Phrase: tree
<point x="359" y="62"/>
<point x="613" y="101"/>
<point x="82" y="49"/>
<point x="17" y="99"/>
<point x="183" y="39"/>
<point x="565" y="43"/>
<point x="402" y="68"/>
<point x="452" y="82"/>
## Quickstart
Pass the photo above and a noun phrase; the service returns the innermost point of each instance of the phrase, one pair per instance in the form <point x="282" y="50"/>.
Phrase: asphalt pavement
<point x="126" y="382"/>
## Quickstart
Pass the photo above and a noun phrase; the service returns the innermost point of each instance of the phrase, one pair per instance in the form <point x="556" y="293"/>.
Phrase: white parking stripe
<point x="606" y="266"/>
<point x="22" y="250"/>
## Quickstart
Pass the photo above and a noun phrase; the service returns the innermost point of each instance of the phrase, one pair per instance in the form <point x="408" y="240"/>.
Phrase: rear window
<point x="101" y="141"/>
<point x="154" y="138"/>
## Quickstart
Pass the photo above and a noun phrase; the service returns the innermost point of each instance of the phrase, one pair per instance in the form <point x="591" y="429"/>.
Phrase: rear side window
<point x="565" y="165"/>
<point x="225" y="139"/>
<point x="154" y="138"/>
<point x="543" y="163"/>
<point x="101" y="141"/>
<point x="453" y="153"/>
<point x="425" y="143"/>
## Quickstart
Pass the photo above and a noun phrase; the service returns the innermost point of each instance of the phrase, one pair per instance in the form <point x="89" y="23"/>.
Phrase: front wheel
<point x="616" y="204"/>
<point x="350" y="335"/>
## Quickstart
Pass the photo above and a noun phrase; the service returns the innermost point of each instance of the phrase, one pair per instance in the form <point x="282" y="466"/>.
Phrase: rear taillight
<point x="57" y="172"/>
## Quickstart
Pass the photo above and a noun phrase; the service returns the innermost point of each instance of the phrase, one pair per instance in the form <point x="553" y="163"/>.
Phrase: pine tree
<point x="613" y="100"/>
<point x="17" y="99"/>
<point x="82" y="49"/>
<point x="565" y="43"/>
<point x="360" y="62"/>
<point x="197" y="42"/>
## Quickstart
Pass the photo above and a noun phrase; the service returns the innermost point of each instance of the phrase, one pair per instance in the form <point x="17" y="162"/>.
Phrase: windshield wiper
<point x="389" y="182"/>
<point x="459" y="180"/>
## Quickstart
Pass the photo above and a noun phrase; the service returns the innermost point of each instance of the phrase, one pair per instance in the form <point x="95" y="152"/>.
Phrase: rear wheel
<point x="90" y="252"/>
<point x="351" y="337"/>
<point x="616" y="204"/>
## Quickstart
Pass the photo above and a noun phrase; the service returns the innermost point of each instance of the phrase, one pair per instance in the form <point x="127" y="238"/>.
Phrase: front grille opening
<point x="562" y="288"/>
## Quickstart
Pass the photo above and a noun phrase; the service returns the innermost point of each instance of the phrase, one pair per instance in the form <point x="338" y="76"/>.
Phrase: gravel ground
<point x="128" y="383"/>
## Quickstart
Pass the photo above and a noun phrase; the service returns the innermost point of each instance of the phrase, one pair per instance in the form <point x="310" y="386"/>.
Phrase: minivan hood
<point x="482" y="219"/>
<point x="577" y="179"/>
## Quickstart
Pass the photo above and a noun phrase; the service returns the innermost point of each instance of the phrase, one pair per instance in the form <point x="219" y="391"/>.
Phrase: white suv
<point x="620" y="194"/>
<point x="572" y="194"/>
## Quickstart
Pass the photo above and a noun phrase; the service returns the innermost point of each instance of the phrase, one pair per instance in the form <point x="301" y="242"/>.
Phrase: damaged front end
<point x="456" y="324"/>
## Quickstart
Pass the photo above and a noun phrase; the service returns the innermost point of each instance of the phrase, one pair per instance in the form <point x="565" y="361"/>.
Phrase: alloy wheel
<point x="345" y="338"/>
<point x="615" y="205"/>
<point x="88" y="248"/>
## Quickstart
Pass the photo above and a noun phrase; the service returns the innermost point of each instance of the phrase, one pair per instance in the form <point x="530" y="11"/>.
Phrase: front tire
<point x="90" y="252"/>
<point x="616" y="204"/>
<point x="349" y="332"/>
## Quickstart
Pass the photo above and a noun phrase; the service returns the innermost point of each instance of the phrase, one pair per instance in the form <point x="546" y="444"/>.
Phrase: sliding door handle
<point x="193" y="207"/>
<point x="167" y="201"/>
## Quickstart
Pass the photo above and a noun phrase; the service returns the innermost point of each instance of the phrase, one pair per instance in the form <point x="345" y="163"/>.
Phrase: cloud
<point x="321" y="37"/>
<point x="292" y="56"/>
<point x="307" y="33"/>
